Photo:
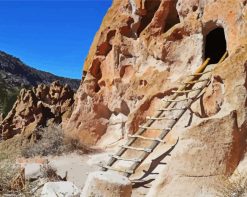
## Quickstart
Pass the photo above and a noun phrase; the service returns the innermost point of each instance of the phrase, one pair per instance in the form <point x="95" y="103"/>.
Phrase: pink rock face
<point x="141" y="51"/>
<point x="131" y="62"/>
<point x="213" y="97"/>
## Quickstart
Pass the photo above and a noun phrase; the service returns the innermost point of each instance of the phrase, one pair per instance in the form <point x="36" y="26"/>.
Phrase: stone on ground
<point x="107" y="184"/>
<point x="33" y="171"/>
<point x="60" y="189"/>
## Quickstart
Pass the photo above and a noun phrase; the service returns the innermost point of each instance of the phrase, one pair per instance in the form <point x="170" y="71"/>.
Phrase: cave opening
<point x="215" y="45"/>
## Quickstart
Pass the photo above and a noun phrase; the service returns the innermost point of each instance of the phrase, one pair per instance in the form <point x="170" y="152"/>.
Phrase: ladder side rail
<point x="143" y="156"/>
<point x="163" y="134"/>
<point x="150" y="122"/>
<point x="198" y="92"/>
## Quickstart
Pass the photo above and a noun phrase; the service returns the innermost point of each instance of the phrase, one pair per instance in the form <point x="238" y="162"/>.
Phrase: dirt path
<point x="77" y="166"/>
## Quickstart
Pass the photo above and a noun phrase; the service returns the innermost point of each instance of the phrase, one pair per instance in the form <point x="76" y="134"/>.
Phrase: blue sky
<point x="53" y="36"/>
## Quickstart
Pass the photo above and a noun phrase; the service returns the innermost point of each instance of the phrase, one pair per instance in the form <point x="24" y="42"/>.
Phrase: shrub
<point x="50" y="173"/>
<point x="3" y="156"/>
<point x="51" y="141"/>
<point x="9" y="101"/>
<point x="12" y="180"/>
<point x="48" y="141"/>
<point x="8" y="96"/>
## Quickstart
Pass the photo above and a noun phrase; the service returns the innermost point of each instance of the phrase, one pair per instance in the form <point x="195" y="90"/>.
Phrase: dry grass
<point x="12" y="180"/>
<point x="52" y="141"/>
<point x="13" y="183"/>
<point x="3" y="156"/>
<point x="233" y="187"/>
<point x="48" y="141"/>
<point x="11" y="148"/>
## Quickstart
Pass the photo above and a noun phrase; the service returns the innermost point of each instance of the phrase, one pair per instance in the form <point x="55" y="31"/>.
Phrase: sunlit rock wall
<point x="140" y="53"/>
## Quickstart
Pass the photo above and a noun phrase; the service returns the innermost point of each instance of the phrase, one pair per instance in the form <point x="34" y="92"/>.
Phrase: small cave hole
<point x="84" y="75"/>
<point x="215" y="45"/>
<point x="126" y="71"/>
<point x="172" y="18"/>
<point x="102" y="83"/>
<point x="95" y="69"/>
<point x="96" y="72"/>
<point x="194" y="8"/>
<point x="143" y="82"/>
<point x="96" y="88"/>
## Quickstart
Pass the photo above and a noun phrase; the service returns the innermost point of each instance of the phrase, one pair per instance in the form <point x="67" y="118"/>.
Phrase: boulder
<point x="33" y="171"/>
<point x="60" y="189"/>
<point x="107" y="184"/>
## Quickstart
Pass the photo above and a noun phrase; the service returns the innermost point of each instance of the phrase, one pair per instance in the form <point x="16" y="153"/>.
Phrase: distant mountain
<point x="15" y="72"/>
<point x="14" y="75"/>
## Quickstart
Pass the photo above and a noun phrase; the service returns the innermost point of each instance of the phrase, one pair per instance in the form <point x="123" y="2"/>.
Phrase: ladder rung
<point x="196" y="81"/>
<point x="125" y="159"/>
<point x="186" y="91"/>
<point x="200" y="74"/>
<point x="144" y="127"/>
<point x="185" y="99"/>
<point x="160" y="118"/>
<point x="130" y="145"/>
<point x="150" y="128"/>
<point x="117" y="169"/>
<point x="146" y="138"/>
<point x="148" y="150"/>
<point x="171" y="109"/>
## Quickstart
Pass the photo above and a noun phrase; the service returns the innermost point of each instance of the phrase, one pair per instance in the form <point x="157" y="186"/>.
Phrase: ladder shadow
<point x="192" y="113"/>
<point x="155" y="162"/>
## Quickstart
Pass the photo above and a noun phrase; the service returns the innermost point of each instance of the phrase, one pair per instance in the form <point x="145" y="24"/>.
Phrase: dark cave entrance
<point x="215" y="46"/>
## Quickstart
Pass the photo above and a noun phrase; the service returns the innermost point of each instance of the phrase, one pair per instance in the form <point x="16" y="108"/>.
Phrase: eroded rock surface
<point x="40" y="106"/>
<point x="140" y="53"/>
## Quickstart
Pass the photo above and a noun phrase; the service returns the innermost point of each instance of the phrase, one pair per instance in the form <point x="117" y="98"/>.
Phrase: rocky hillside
<point x="44" y="105"/>
<point x="14" y="75"/>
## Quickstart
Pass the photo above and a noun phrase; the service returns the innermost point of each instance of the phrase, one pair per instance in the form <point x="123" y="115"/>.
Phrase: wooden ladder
<point x="187" y="88"/>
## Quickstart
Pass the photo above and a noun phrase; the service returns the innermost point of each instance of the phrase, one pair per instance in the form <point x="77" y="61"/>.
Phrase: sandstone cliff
<point x="140" y="53"/>
<point x="41" y="106"/>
